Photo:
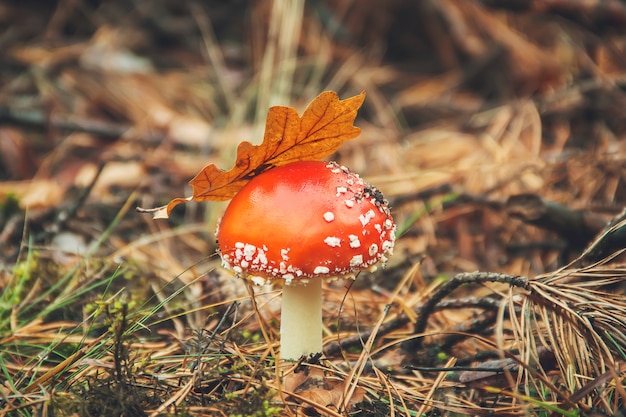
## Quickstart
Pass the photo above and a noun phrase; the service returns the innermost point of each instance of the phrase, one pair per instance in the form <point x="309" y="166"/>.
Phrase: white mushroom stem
<point x="301" y="320"/>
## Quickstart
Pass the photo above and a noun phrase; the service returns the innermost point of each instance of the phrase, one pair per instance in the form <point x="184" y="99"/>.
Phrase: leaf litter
<point x="522" y="106"/>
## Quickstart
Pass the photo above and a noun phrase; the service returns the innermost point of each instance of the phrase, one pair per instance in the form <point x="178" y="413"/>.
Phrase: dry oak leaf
<point x="325" y="124"/>
<point x="313" y="387"/>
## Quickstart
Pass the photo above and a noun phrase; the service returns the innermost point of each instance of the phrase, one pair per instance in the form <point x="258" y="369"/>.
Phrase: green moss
<point x="247" y="336"/>
<point x="20" y="280"/>
<point x="371" y="408"/>
<point x="8" y="207"/>
<point x="256" y="403"/>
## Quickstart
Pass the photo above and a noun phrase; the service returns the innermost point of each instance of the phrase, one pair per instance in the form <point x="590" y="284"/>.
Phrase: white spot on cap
<point x="388" y="246"/>
<point x="249" y="251"/>
<point x="319" y="270"/>
<point x="341" y="190"/>
<point x="284" y="254"/>
<point x="388" y="224"/>
<point x="349" y="203"/>
<point x="365" y="218"/>
<point x="356" y="260"/>
<point x="354" y="241"/>
<point x="334" y="167"/>
<point x="373" y="249"/>
<point x="260" y="258"/>
<point x="333" y="241"/>
<point x="258" y="280"/>
<point x="288" y="278"/>
<point x="329" y="216"/>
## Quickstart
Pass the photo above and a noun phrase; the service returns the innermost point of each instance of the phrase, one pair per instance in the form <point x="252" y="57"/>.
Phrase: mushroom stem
<point x="301" y="320"/>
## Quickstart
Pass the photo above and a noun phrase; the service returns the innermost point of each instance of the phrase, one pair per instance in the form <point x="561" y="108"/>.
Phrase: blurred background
<point x="495" y="128"/>
<point x="468" y="103"/>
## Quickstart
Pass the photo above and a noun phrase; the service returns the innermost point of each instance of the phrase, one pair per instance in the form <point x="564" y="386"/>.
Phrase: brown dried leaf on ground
<point x="314" y="387"/>
<point x="325" y="124"/>
<point x="39" y="193"/>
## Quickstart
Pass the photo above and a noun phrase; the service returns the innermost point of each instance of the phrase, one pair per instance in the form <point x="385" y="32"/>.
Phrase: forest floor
<point x="494" y="129"/>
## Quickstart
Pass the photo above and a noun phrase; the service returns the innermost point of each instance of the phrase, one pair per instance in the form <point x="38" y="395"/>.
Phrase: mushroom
<point x="301" y="223"/>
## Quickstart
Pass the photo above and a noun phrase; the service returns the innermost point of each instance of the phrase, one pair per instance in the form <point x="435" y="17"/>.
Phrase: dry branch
<point x="41" y="120"/>
<point x="576" y="227"/>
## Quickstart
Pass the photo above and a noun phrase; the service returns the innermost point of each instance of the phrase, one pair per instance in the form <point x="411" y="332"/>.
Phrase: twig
<point x="610" y="242"/>
<point x="232" y="309"/>
<point x="352" y="379"/>
<point x="356" y="339"/>
<point x="426" y="194"/>
<point x="62" y="216"/>
<point x="576" y="227"/>
<point x="39" y="119"/>
<point x="476" y="327"/>
<point x="463" y="278"/>
<point x="602" y="15"/>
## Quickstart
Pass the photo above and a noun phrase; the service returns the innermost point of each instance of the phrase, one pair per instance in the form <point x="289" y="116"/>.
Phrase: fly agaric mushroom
<point x="301" y="223"/>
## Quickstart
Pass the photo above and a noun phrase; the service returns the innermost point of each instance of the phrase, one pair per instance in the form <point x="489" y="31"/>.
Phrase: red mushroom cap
<point x="304" y="220"/>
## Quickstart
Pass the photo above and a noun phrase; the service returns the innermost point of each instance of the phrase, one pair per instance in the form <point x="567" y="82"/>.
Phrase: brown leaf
<point x="325" y="124"/>
<point x="314" y="386"/>
<point x="34" y="194"/>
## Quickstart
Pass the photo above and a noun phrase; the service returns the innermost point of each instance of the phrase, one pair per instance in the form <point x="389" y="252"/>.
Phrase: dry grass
<point x="469" y="106"/>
